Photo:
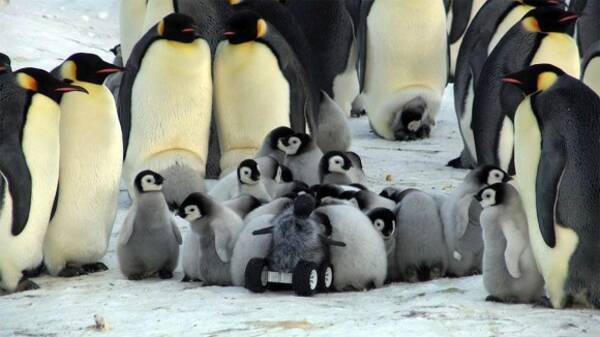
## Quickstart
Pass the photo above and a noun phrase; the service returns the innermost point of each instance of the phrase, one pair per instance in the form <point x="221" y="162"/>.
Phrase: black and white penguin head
<point x="248" y="172"/>
<point x="86" y="67"/>
<point x="490" y="174"/>
<point x="4" y="64"/>
<point x="178" y="27"/>
<point x="491" y="196"/>
<point x="276" y="136"/>
<point x="296" y="144"/>
<point x="193" y="207"/>
<point x="335" y="162"/>
<point x="283" y="174"/>
<point x="549" y="19"/>
<point x="384" y="220"/>
<point x="539" y="77"/>
<point x="245" y="26"/>
<point x="148" y="181"/>
<point x="36" y="80"/>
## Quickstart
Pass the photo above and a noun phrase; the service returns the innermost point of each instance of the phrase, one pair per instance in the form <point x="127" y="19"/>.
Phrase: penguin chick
<point x="250" y="181"/>
<point x="336" y="167"/>
<point x="362" y="263"/>
<point x="421" y="250"/>
<point x="271" y="146"/>
<point x="333" y="132"/>
<point x="243" y="205"/>
<point x="510" y="273"/>
<point x="217" y="228"/>
<point x="460" y="214"/>
<point x="384" y="221"/>
<point x="275" y="207"/>
<point x="249" y="246"/>
<point x="149" y="239"/>
<point x="368" y="200"/>
<point x="302" y="157"/>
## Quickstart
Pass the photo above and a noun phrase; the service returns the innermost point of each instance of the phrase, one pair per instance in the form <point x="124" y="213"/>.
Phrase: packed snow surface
<point x="42" y="33"/>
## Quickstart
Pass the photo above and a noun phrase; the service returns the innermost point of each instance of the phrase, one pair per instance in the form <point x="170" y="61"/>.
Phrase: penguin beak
<point x="229" y="34"/>
<point x="569" y="18"/>
<point x="188" y="30"/>
<point x="478" y="197"/>
<point x="264" y="231"/>
<point x="331" y="242"/>
<point x="110" y="70"/>
<point x="71" y="88"/>
<point x="513" y="81"/>
<point x="2" y="69"/>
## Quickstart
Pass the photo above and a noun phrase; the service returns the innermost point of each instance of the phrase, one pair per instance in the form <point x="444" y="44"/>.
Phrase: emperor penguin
<point x="558" y="182"/>
<point x="330" y="31"/>
<point x="302" y="157"/>
<point x="510" y="273"/>
<point x="460" y="16"/>
<point x="165" y="105"/>
<point x="384" y="221"/>
<point x="333" y="133"/>
<point x="260" y="84"/>
<point x="590" y="67"/>
<point x="30" y="150"/>
<point x="492" y="22"/>
<point x="131" y="24"/>
<point x="335" y="167"/>
<point x="403" y="87"/>
<point x="587" y="30"/>
<point x="149" y="239"/>
<point x="271" y="145"/>
<point x="540" y="37"/>
<point x="460" y="214"/>
<point x="91" y="150"/>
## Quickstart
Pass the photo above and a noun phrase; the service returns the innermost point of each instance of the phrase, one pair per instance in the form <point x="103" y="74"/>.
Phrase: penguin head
<point x="538" y="77"/>
<point x="245" y="26"/>
<point x="276" y="136"/>
<point x="4" y="64"/>
<point x="178" y="27"/>
<point x="148" y="181"/>
<point x="248" y="172"/>
<point x="548" y="19"/>
<point x="492" y="195"/>
<point x="304" y="205"/>
<point x="283" y="174"/>
<point x="384" y="220"/>
<point x="40" y="81"/>
<point x="295" y="144"/>
<point x="543" y="3"/>
<point x="490" y="174"/>
<point x="193" y="207"/>
<point x="335" y="162"/>
<point x="86" y="67"/>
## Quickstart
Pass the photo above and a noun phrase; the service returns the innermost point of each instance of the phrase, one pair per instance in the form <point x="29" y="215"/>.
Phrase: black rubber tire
<point x="305" y="279"/>
<point x="253" y="275"/>
<point x="326" y="285"/>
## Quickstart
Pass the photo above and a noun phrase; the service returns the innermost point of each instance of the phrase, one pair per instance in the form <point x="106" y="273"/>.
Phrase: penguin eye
<point x="488" y="195"/>
<point x="149" y="180"/>
<point x="338" y="162"/>
<point x="379" y="224"/>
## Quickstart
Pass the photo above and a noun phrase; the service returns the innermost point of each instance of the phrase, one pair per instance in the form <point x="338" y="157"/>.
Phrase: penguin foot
<point x="94" y="267"/>
<point x="436" y="272"/>
<point x="136" y="277"/>
<point x="455" y="163"/>
<point x="473" y="272"/>
<point x="186" y="278"/>
<point x="507" y="300"/>
<point x="543" y="302"/>
<point x="411" y="274"/>
<point x="72" y="271"/>
<point x="34" y="272"/>
<point x="26" y="285"/>
<point x="165" y="274"/>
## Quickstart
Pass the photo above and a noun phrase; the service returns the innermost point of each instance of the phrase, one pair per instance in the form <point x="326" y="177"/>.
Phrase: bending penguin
<point x="403" y="87"/>
<point x="30" y="150"/>
<point x="559" y="182"/>
<point x="165" y="119"/>
<point x="91" y="150"/>
<point x="540" y="37"/>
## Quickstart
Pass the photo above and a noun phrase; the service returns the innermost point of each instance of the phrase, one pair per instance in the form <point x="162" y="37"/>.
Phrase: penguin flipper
<point x="16" y="175"/>
<point x="222" y="239"/>
<point x="460" y="22"/>
<point x="362" y="42"/>
<point x="127" y="227"/>
<point x="550" y="170"/>
<point x="176" y="232"/>
<point x="515" y="245"/>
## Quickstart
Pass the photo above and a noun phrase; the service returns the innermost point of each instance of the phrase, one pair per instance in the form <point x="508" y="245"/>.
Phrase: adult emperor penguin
<point x="258" y="75"/>
<point x="327" y="24"/>
<point x="460" y="16"/>
<point x="131" y="24"/>
<point x="540" y="37"/>
<point x="559" y="182"/>
<point x="588" y="26"/>
<point x="403" y="87"/>
<point x="91" y="150"/>
<point x="29" y="146"/>
<point x="490" y="24"/>
<point x="590" y="72"/>
<point x="165" y="105"/>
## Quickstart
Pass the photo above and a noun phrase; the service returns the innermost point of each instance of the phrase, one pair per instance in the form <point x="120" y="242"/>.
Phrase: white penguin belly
<point x="514" y="16"/>
<point x="252" y="98"/>
<point x="90" y="170"/>
<point x="406" y="58"/>
<point x="552" y="262"/>
<point x="171" y="108"/>
<point x="506" y="143"/>
<point x="560" y="50"/>
<point x="131" y="25"/>
<point x="592" y="75"/>
<point x="41" y="147"/>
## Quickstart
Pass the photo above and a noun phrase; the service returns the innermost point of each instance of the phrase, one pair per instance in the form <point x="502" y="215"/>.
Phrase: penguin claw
<point x="94" y="267"/>
<point x="543" y="302"/>
<point x="455" y="163"/>
<point x="26" y="285"/>
<point x="493" y="299"/>
<point x="135" y="277"/>
<point x="72" y="272"/>
<point x="165" y="274"/>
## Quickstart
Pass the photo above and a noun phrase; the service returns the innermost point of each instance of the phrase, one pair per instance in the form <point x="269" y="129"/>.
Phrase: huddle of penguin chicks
<point x="295" y="216"/>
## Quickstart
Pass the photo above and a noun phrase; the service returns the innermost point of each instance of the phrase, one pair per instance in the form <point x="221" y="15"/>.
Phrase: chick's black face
<point x="91" y="68"/>
<point x="178" y="27"/>
<point x="277" y="135"/>
<point x="193" y="207"/>
<point x="242" y="27"/>
<point x="384" y="221"/>
<point x="148" y="181"/>
<point x="492" y="195"/>
<point x="490" y="174"/>
<point x="248" y="172"/>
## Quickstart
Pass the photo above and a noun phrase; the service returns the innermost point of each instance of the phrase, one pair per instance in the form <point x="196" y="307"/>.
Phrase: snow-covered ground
<point x="41" y="33"/>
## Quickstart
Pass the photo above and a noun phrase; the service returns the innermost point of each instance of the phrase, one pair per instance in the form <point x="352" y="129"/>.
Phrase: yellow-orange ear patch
<point x="546" y="80"/>
<point x="261" y="28"/>
<point x="234" y="2"/>
<point x="27" y="82"/>
<point x="161" y="28"/>
<point x="68" y="71"/>
<point x="532" y="25"/>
